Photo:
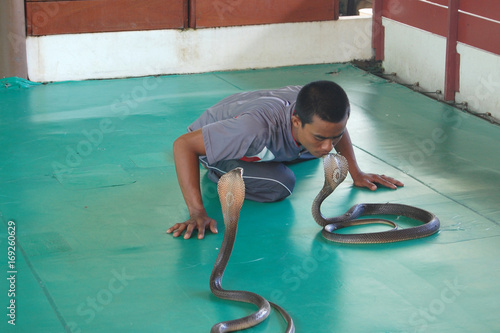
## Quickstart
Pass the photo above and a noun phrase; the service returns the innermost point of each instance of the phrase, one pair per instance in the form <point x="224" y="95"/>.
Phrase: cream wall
<point x="414" y="55"/>
<point x="419" y="56"/>
<point x="479" y="80"/>
<point x="140" y="53"/>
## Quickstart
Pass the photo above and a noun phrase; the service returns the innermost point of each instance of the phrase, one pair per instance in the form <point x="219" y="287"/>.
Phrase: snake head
<point x="336" y="168"/>
<point x="231" y="188"/>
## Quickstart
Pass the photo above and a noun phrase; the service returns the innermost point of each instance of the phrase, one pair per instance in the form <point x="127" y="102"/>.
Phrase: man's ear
<point x="296" y="121"/>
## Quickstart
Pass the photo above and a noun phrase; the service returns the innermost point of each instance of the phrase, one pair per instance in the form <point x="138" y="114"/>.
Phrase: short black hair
<point x="325" y="99"/>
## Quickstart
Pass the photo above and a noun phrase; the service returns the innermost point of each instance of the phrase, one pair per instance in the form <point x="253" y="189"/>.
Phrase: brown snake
<point x="336" y="168"/>
<point x="231" y="190"/>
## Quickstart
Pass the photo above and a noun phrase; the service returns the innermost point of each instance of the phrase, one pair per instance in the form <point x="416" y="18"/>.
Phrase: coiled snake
<point x="336" y="168"/>
<point x="231" y="190"/>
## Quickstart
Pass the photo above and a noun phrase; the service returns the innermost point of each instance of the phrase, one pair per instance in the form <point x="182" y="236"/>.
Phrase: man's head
<point x="325" y="99"/>
<point x="320" y="118"/>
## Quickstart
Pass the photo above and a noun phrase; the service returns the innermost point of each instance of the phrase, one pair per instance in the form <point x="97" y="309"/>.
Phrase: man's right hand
<point x="200" y="222"/>
<point x="187" y="149"/>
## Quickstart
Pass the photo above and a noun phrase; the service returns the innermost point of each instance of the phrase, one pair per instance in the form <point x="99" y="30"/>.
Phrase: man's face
<point x="318" y="137"/>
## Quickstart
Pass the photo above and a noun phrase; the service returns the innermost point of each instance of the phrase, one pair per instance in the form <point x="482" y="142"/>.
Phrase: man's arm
<point x="187" y="149"/>
<point x="369" y="180"/>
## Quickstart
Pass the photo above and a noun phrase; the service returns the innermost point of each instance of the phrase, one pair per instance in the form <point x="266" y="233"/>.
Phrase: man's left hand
<point x="370" y="180"/>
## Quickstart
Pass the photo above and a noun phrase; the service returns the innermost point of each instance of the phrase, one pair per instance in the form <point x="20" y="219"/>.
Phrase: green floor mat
<point x="87" y="175"/>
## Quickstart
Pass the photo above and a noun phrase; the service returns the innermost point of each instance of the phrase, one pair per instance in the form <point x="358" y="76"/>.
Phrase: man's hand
<point x="200" y="222"/>
<point x="187" y="149"/>
<point x="361" y="179"/>
<point x="371" y="180"/>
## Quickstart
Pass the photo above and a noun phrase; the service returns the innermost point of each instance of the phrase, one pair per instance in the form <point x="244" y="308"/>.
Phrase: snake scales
<point x="231" y="190"/>
<point x="336" y="168"/>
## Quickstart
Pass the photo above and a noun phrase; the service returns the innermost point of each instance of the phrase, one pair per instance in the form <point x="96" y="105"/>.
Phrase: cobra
<point x="231" y="189"/>
<point x="336" y="168"/>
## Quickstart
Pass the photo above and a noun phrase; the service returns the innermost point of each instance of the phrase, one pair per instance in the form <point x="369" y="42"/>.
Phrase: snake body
<point x="231" y="189"/>
<point x="336" y="168"/>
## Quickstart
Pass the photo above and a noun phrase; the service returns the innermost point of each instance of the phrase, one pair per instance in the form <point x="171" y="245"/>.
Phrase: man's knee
<point x="263" y="189"/>
<point x="264" y="182"/>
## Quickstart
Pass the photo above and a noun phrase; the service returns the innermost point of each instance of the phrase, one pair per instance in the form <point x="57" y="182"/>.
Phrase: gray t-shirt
<point x="252" y="126"/>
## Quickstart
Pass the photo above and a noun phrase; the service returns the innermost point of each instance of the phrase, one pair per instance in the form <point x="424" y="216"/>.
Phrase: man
<point x="260" y="131"/>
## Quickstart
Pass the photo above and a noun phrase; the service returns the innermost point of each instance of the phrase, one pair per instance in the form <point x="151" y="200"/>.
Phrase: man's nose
<point x="327" y="145"/>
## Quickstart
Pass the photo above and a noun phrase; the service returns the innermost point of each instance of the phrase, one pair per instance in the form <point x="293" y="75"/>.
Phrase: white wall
<point x="479" y="80"/>
<point x="140" y="53"/>
<point x="419" y="56"/>
<point x="414" y="55"/>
